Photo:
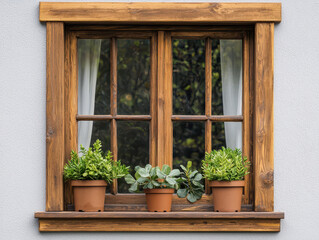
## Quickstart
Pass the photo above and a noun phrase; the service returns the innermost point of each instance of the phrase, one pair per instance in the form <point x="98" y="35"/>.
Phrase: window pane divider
<point x="110" y="117"/>
<point x="113" y="107"/>
<point x="213" y="118"/>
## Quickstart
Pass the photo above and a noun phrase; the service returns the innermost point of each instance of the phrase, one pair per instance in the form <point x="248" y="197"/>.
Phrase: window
<point x="169" y="102"/>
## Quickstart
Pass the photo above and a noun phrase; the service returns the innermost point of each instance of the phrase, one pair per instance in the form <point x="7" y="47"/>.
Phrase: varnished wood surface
<point x="215" y="118"/>
<point x="116" y="117"/>
<point x="170" y="12"/>
<point x="159" y="225"/>
<point x="55" y="154"/>
<point x="70" y="106"/>
<point x="167" y="215"/>
<point x="263" y="117"/>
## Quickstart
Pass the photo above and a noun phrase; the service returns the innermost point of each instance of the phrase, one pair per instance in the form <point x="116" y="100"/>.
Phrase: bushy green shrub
<point x="93" y="165"/>
<point x="190" y="184"/>
<point x="225" y="164"/>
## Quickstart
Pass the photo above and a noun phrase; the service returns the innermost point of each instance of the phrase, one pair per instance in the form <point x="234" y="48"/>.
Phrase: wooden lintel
<point x="170" y="13"/>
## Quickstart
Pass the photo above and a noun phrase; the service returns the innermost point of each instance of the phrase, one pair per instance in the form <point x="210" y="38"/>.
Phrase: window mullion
<point x="208" y="100"/>
<point x="113" y="53"/>
<point x="164" y="100"/>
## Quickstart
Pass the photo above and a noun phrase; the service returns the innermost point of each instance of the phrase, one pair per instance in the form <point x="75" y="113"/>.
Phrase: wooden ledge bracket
<point x="159" y="222"/>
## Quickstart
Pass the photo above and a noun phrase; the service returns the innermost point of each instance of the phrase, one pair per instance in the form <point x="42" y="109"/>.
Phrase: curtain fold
<point x="88" y="63"/>
<point x="231" y="71"/>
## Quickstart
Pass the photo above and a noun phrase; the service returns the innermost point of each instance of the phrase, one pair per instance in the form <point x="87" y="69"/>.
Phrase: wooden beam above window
<point x="156" y="13"/>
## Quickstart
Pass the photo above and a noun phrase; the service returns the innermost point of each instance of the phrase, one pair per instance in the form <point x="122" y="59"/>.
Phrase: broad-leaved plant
<point x="190" y="184"/>
<point x="153" y="177"/>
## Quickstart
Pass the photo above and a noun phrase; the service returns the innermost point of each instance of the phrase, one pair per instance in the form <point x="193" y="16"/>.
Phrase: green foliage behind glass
<point x="92" y="165"/>
<point x="225" y="164"/>
<point x="190" y="184"/>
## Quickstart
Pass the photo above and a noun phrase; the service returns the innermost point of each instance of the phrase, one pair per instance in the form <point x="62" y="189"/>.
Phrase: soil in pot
<point x="227" y="195"/>
<point x="89" y="195"/>
<point x="159" y="200"/>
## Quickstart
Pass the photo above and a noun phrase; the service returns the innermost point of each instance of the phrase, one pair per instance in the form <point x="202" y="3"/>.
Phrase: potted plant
<point x="89" y="173"/>
<point x="158" y="185"/>
<point x="190" y="184"/>
<point x="225" y="170"/>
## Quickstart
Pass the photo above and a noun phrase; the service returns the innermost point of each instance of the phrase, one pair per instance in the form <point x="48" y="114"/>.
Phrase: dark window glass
<point x="188" y="77"/>
<point x="133" y="76"/>
<point x="133" y="146"/>
<point x="189" y="143"/>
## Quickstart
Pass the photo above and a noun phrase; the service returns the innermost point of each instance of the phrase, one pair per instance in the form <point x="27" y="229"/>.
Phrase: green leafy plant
<point x="93" y="165"/>
<point x="153" y="177"/>
<point x="190" y="184"/>
<point x="225" y="164"/>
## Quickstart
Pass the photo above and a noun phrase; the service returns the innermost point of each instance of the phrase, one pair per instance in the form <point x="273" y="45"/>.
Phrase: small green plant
<point x="225" y="164"/>
<point x="153" y="177"/>
<point x="92" y="165"/>
<point x="190" y="184"/>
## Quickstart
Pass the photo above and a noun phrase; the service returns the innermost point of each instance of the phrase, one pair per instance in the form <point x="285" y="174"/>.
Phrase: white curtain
<point x="231" y="70"/>
<point x="88" y="61"/>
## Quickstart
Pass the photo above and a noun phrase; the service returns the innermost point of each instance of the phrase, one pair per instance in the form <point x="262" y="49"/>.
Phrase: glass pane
<point x="133" y="76"/>
<point x="94" y="76"/>
<point x="100" y="130"/>
<point x="226" y="77"/>
<point x="228" y="134"/>
<point x="133" y="147"/>
<point x="189" y="143"/>
<point x="188" y="77"/>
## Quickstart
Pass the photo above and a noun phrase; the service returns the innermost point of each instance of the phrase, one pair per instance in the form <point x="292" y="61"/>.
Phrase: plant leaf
<point x="129" y="179"/>
<point x="181" y="193"/>
<point x="191" y="198"/>
<point x="174" y="173"/>
<point x="166" y="169"/>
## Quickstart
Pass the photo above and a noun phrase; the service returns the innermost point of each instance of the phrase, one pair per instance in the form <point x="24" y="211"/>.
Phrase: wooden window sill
<point x="159" y="222"/>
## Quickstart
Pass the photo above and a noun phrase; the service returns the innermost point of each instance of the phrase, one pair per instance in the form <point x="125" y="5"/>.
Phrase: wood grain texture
<point x="113" y="107"/>
<point x="164" y="100"/>
<point x="263" y="117"/>
<point x="172" y="13"/>
<point x="246" y="126"/>
<point x="70" y="106"/>
<point x="153" y="101"/>
<point x="55" y="153"/>
<point x="167" y="215"/>
<point x="110" y="117"/>
<point x="208" y="101"/>
<point x="215" y="118"/>
<point x="130" y="28"/>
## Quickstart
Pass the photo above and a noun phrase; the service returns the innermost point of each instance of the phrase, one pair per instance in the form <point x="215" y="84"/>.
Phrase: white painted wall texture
<point x="22" y="126"/>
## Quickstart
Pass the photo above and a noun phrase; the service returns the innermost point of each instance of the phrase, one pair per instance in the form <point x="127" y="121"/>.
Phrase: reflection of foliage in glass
<point x="101" y="130"/>
<point x="133" y="76"/>
<point x="102" y="95"/>
<point x="189" y="143"/>
<point x="218" y="135"/>
<point x="188" y="76"/>
<point x="133" y="146"/>
<point x="217" y="98"/>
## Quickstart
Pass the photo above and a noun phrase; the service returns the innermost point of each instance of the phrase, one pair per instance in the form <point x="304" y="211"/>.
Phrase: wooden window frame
<point x="62" y="108"/>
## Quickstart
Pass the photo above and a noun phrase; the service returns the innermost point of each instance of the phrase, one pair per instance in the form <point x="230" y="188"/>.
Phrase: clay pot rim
<point x="160" y="190"/>
<point x="239" y="183"/>
<point x="88" y="183"/>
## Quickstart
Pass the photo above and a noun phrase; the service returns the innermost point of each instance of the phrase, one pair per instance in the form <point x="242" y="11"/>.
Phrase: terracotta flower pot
<point x="159" y="200"/>
<point x="89" y="195"/>
<point x="227" y="195"/>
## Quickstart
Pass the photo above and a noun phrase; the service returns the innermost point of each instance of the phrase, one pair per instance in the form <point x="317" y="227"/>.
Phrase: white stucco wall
<point x="22" y="126"/>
